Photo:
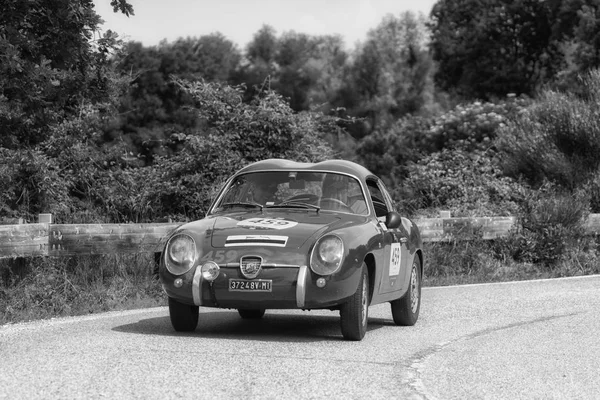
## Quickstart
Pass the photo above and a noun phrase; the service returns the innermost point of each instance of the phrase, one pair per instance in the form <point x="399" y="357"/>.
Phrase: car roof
<point x="340" y="166"/>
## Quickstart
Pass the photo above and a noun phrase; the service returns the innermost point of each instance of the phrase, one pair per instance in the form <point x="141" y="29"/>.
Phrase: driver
<point x="264" y="193"/>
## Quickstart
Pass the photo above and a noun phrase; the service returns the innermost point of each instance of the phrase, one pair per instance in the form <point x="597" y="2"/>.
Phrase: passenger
<point x="335" y="187"/>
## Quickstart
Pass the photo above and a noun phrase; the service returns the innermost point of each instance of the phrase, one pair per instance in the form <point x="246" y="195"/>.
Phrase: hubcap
<point x="365" y="294"/>
<point x="414" y="289"/>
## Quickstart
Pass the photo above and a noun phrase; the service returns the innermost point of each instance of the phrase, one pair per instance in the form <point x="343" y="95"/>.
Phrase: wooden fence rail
<point x="47" y="239"/>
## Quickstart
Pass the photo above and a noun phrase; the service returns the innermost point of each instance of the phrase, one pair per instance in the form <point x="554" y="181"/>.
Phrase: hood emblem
<point x="250" y="266"/>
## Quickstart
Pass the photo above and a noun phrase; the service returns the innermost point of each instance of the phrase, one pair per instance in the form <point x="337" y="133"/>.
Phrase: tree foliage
<point x="52" y="62"/>
<point x="233" y="134"/>
<point x="557" y="139"/>
<point x="56" y="88"/>
<point x="154" y="107"/>
<point x="390" y="76"/>
<point x="489" y="48"/>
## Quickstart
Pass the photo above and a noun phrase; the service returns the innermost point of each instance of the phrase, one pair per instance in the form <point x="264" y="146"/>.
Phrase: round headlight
<point x="326" y="257"/>
<point x="180" y="254"/>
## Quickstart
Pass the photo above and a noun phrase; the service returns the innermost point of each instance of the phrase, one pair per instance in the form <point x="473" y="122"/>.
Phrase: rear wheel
<point x="406" y="309"/>
<point x="251" y="314"/>
<point x="184" y="317"/>
<point x="355" y="313"/>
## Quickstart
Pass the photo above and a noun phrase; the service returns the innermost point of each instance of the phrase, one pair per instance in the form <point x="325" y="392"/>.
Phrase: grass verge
<point x="39" y="288"/>
<point x="473" y="260"/>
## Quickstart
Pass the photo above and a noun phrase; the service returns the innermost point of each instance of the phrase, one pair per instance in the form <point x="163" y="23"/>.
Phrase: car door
<point x="394" y="241"/>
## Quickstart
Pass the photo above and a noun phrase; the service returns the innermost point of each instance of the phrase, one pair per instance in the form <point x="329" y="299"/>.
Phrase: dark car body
<point x="306" y="251"/>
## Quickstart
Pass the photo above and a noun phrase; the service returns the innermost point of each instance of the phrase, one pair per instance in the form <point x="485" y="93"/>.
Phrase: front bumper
<point x="293" y="287"/>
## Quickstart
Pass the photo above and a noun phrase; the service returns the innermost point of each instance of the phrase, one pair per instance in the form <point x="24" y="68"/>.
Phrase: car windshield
<point x="294" y="189"/>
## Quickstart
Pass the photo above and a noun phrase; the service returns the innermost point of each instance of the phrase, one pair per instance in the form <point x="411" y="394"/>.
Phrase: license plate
<point x="256" y="285"/>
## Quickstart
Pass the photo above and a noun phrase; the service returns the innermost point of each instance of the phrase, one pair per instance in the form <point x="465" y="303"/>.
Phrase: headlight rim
<point x="317" y="265"/>
<point x="171" y="265"/>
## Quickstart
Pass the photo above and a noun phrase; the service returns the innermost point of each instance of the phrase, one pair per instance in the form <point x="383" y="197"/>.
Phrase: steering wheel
<point x="336" y="204"/>
<point x="304" y="198"/>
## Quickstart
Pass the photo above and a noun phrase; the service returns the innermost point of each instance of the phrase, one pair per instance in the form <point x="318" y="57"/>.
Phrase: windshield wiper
<point x="294" y="204"/>
<point x="242" y="204"/>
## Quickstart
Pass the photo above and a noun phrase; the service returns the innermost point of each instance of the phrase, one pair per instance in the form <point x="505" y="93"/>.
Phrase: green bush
<point x="552" y="225"/>
<point x="592" y="187"/>
<point x="36" y="288"/>
<point x="472" y="126"/>
<point x="388" y="153"/>
<point x="32" y="184"/>
<point x="556" y="139"/>
<point x="449" y="162"/>
<point x="233" y="134"/>
<point x="465" y="183"/>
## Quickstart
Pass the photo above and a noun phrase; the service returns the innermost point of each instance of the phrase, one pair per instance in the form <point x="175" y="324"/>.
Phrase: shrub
<point x="48" y="287"/>
<point x="552" y="225"/>
<point x="466" y="183"/>
<point x="448" y="162"/>
<point x="472" y="126"/>
<point x="556" y="139"/>
<point x="592" y="187"/>
<point x="32" y="184"/>
<point x="388" y="153"/>
<point x="461" y="256"/>
<point x="233" y="134"/>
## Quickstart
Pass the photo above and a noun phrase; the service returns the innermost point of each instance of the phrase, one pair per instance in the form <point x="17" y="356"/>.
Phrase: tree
<point x="557" y="139"/>
<point x="235" y="133"/>
<point x="326" y="68"/>
<point x="308" y="69"/>
<point x="52" y="61"/>
<point x="489" y="48"/>
<point x="259" y="65"/>
<point x="586" y="36"/>
<point x="293" y="80"/>
<point x="154" y="107"/>
<point x="391" y="73"/>
<point x="56" y="86"/>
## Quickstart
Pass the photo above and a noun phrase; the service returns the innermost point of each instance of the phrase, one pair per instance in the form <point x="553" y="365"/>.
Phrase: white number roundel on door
<point x="395" y="259"/>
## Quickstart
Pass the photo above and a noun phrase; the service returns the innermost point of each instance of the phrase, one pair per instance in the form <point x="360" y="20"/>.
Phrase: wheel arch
<point x="422" y="261"/>
<point x="371" y="268"/>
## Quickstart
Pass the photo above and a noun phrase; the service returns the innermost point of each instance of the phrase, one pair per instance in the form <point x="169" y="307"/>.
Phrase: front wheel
<point x="184" y="317"/>
<point x="354" y="314"/>
<point x="405" y="310"/>
<point x="251" y="314"/>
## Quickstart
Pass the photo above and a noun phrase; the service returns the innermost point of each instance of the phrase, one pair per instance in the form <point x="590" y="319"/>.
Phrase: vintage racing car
<point x="288" y="235"/>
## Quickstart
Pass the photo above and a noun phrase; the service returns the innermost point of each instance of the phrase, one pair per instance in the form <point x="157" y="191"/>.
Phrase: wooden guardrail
<point x="64" y="239"/>
<point x="47" y="239"/>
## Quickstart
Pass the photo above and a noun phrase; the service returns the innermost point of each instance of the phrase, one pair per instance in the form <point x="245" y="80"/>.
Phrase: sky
<point x="239" y="20"/>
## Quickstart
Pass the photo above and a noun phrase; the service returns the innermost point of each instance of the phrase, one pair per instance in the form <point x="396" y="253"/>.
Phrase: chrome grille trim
<point x="256" y="240"/>
<point x="265" y="265"/>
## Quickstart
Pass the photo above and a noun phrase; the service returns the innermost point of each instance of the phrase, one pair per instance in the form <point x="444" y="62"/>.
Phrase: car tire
<point x="251" y="314"/>
<point x="406" y="309"/>
<point x="354" y="314"/>
<point x="184" y="317"/>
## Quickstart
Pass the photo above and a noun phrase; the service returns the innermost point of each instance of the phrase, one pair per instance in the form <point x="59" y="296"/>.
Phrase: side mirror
<point x="393" y="220"/>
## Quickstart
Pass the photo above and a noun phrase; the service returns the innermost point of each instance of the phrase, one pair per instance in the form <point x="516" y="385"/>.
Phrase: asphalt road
<point x="523" y="340"/>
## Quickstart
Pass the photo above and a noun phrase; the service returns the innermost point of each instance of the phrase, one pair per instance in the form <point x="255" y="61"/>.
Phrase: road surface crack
<point x="415" y="366"/>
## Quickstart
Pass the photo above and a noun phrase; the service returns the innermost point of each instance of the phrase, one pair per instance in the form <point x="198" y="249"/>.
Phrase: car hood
<point x="276" y="229"/>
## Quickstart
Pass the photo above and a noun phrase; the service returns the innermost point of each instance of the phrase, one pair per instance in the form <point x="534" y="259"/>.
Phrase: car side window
<point x="378" y="198"/>
<point x="387" y="197"/>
